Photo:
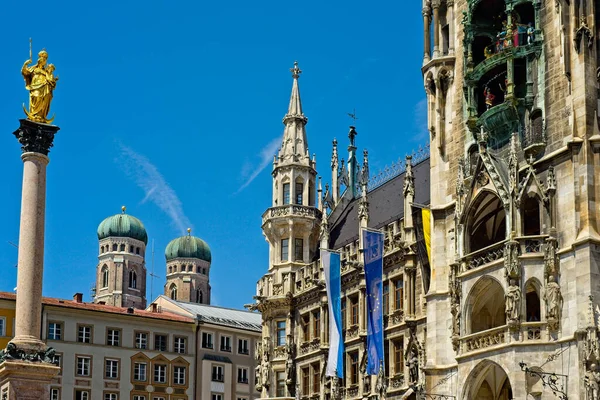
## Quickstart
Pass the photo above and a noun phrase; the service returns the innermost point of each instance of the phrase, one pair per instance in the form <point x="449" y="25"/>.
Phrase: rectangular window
<point x="280" y="386"/>
<point x="316" y="383"/>
<point x="139" y="397"/>
<point x="217" y="373"/>
<point x="83" y="366"/>
<point x="298" y="250"/>
<point x="179" y="375"/>
<point x="285" y="249"/>
<point x="111" y="396"/>
<point x="179" y="344"/>
<point x="160" y="373"/>
<point x="305" y="325"/>
<point x="141" y="340"/>
<point x="84" y="334"/>
<point x="215" y="396"/>
<point x="139" y="372"/>
<point x="160" y="342"/>
<point x="55" y="394"/>
<point x="226" y="343"/>
<point x="354" y="310"/>
<point x="82" y="394"/>
<point x="281" y="333"/>
<point x="386" y="298"/>
<point x="354" y="368"/>
<point x="58" y="362"/>
<point x="399" y="294"/>
<point x="299" y="190"/>
<point x="242" y="375"/>
<point x="305" y="381"/>
<point x="54" y="331"/>
<point x="111" y="369"/>
<point x="207" y="341"/>
<point x="286" y="193"/>
<point x="113" y="337"/>
<point x="243" y="346"/>
<point x="398" y="356"/>
<point x="316" y="324"/>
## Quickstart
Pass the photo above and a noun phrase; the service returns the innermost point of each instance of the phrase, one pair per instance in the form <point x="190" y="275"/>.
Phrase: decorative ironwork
<point x="550" y="380"/>
<point x="397" y="168"/>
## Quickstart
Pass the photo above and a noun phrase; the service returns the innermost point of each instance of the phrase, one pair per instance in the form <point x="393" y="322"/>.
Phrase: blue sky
<point x="171" y="107"/>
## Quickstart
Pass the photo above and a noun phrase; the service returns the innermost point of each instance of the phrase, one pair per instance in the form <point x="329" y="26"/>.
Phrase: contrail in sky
<point x="154" y="185"/>
<point x="266" y="157"/>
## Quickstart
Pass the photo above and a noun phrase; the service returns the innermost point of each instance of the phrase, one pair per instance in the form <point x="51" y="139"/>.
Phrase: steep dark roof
<point x="386" y="204"/>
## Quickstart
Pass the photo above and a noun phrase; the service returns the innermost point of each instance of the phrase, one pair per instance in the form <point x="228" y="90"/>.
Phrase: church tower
<point x="512" y="98"/>
<point x="121" y="270"/>
<point x="291" y="227"/>
<point x="188" y="269"/>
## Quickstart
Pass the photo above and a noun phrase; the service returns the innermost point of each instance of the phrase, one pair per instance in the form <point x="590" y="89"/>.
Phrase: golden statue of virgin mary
<point x="40" y="81"/>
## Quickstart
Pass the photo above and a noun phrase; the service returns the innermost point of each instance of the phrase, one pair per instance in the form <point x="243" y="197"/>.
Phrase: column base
<point x="29" y="344"/>
<point x="23" y="380"/>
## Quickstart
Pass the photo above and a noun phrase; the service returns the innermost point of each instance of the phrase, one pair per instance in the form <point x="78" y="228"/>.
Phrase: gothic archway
<point x="487" y="221"/>
<point x="488" y="381"/>
<point x="484" y="308"/>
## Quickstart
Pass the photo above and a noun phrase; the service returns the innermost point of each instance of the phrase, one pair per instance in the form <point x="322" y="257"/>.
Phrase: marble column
<point x="436" y="29"/>
<point x="26" y="366"/>
<point x="426" y="34"/>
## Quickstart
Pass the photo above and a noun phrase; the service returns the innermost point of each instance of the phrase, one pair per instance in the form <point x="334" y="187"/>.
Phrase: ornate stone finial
<point x="40" y="82"/>
<point x="189" y="231"/>
<point x="364" y="173"/>
<point x="295" y="71"/>
<point x="409" y="178"/>
<point x="123" y="209"/>
<point x="551" y="181"/>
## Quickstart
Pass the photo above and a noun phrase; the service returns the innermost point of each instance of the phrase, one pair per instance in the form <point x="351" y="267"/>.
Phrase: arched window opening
<point x="173" y="292"/>
<point x="204" y="271"/>
<point x="115" y="247"/>
<point x="190" y="268"/>
<point x="137" y="250"/>
<point x="485" y="306"/>
<point x="104" y="276"/>
<point x="122" y="247"/>
<point x="487" y="222"/>
<point x="170" y="269"/>
<point x="532" y="302"/>
<point x="132" y="280"/>
<point x="198" y="296"/>
<point x="131" y="249"/>
<point x="198" y="270"/>
<point x="101" y="249"/>
<point x="531" y="216"/>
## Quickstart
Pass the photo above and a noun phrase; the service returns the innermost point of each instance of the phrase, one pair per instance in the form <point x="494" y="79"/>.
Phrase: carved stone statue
<point x="513" y="301"/>
<point x="265" y="349"/>
<point x="592" y="383"/>
<point x="455" y="310"/>
<point x="40" y="82"/>
<point x="265" y="375"/>
<point x="257" y="376"/>
<point x="413" y="366"/>
<point x="554" y="299"/>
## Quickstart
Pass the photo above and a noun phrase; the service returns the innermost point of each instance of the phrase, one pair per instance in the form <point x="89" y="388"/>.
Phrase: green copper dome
<point x="122" y="225"/>
<point x="188" y="247"/>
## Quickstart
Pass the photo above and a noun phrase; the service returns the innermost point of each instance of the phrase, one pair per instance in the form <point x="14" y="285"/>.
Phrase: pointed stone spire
<point x="352" y="163"/>
<point x="320" y="195"/>
<point x="335" y="186"/>
<point x="294" y="148"/>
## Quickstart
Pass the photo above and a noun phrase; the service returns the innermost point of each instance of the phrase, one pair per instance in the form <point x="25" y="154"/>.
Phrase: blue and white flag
<point x="373" y="253"/>
<point x="331" y="268"/>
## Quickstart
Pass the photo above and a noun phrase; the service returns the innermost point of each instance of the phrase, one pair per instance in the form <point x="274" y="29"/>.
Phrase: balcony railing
<point x="291" y="210"/>
<point x="483" y="256"/>
<point x="533" y="331"/>
<point x="484" y="339"/>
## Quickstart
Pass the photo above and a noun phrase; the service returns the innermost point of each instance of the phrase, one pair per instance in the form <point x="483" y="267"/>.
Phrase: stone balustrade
<point x="291" y="210"/>
<point x="484" y="339"/>
<point x="533" y="331"/>
<point x="483" y="256"/>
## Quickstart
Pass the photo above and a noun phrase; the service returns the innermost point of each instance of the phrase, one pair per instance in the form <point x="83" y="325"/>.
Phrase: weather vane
<point x="353" y="116"/>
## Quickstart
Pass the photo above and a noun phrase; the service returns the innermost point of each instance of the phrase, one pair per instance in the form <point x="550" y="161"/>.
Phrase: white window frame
<point x="113" y="337"/>
<point x="212" y="343"/>
<point x="163" y="368"/>
<point x="245" y="372"/>
<point x="111" y="396"/>
<point x="113" y="373"/>
<point x="139" y="338"/>
<point x="179" y="344"/>
<point x="137" y="370"/>
<point x="247" y="348"/>
<point x="54" y="393"/>
<point x="179" y="372"/>
<point x="3" y="326"/>
<point x="83" y="360"/>
<point x="216" y="396"/>
<point x="54" y="330"/>
<point x="214" y="377"/>
<point x="87" y="331"/>
<point x="139" y="397"/>
<point x="85" y="394"/>
<point x="225" y="339"/>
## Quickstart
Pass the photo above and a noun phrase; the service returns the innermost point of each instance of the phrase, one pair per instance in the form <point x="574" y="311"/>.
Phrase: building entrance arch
<point x="487" y="381"/>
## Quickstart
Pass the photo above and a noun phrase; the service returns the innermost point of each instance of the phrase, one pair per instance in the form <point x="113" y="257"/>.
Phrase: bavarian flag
<point x="422" y="221"/>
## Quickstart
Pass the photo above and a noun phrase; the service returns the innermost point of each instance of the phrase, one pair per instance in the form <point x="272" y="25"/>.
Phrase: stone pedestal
<point x="24" y="380"/>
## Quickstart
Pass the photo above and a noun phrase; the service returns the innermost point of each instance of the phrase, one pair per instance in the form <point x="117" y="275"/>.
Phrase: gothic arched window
<point x="532" y="301"/>
<point x="132" y="280"/>
<point x="173" y="292"/>
<point x="104" y="276"/>
<point x="198" y="296"/>
<point x="115" y="247"/>
<point x="122" y="248"/>
<point x="485" y="306"/>
<point x="487" y="222"/>
<point x="531" y="216"/>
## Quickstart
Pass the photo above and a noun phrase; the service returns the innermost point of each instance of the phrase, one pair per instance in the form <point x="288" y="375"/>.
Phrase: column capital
<point x="35" y="137"/>
<point x="436" y="4"/>
<point x="426" y="11"/>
